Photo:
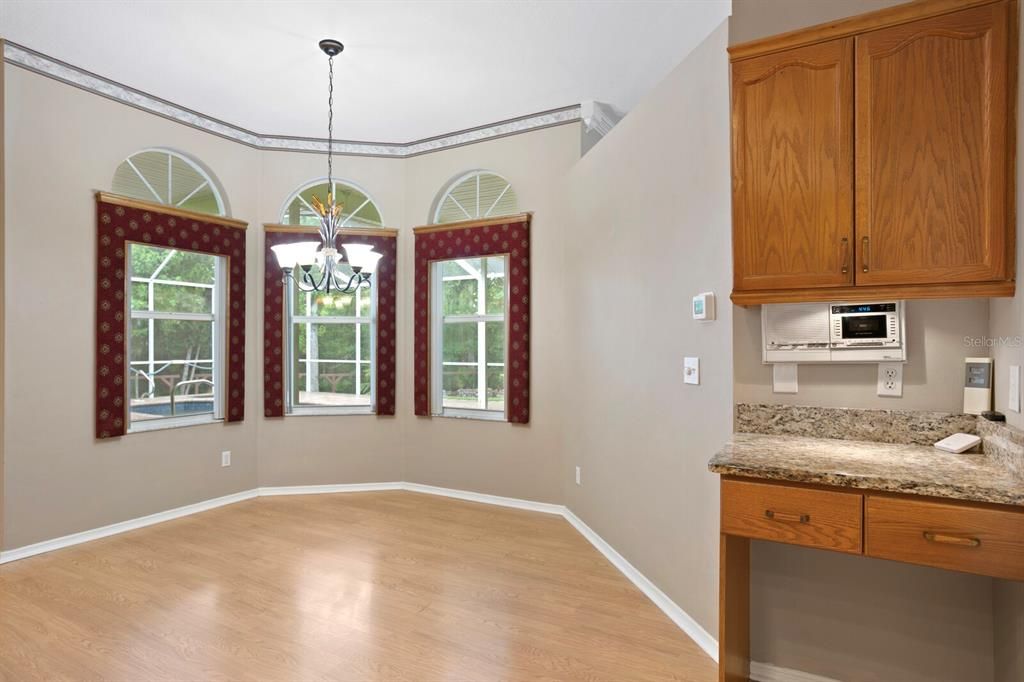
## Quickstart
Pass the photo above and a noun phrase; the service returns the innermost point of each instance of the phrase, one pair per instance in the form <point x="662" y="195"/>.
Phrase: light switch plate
<point x="784" y="377"/>
<point x="1013" y="386"/>
<point x="691" y="370"/>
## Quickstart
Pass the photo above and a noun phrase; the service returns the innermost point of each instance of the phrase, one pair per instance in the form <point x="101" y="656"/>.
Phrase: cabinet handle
<point x="786" y="518"/>
<point x="846" y="255"/>
<point x="943" y="539"/>
<point x="865" y="250"/>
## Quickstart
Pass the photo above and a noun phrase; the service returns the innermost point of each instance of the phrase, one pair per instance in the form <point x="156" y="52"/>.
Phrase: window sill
<point x="172" y="423"/>
<point x="329" y="411"/>
<point x="477" y="415"/>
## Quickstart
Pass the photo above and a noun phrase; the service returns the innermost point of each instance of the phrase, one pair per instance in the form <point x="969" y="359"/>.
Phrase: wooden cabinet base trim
<point x="825" y="294"/>
<point x="842" y="28"/>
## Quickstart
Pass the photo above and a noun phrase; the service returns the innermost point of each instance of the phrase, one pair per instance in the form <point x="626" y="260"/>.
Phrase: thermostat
<point x="704" y="306"/>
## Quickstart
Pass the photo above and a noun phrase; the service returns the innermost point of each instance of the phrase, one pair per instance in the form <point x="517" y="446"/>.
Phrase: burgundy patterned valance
<point x="474" y="239"/>
<point x="121" y="221"/>
<point x="384" y="241"/>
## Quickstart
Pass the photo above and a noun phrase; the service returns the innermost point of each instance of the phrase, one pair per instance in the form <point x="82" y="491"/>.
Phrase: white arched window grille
<point x="170" y="178"/>
<point x="478" y="194"/>
<point x="358" y="209"/>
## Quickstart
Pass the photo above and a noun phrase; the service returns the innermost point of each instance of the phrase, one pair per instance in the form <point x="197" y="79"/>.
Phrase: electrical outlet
<point x="578" y="476"/>
<point x="890" y="379"/>
<point x="225" y="458"/>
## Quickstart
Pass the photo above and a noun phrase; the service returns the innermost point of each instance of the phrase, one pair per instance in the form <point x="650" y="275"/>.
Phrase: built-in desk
<point x="909" y="503"/>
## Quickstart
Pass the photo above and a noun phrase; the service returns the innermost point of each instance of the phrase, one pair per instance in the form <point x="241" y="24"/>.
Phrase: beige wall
<point x="821" y="613"/>
<point x="65" y="143"/>
<point x="647" y="228"/>
<point x="488" y="457"/>
<point x="501" y="459"/>
<point x="1006" y="317"/>
<point x="932" y="376"/>
<point x="1009" y="629"/>
<point x="2" y="288"/>
<point x="307" y="450"/>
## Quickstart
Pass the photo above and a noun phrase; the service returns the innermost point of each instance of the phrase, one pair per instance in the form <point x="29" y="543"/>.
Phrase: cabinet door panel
<point x="931" y="119"/>
<point x="792" y="127"/>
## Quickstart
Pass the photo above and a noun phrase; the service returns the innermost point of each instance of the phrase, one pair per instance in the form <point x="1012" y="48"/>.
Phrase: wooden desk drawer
<point x="798" y="516"/>
<point x="955" y="537"/>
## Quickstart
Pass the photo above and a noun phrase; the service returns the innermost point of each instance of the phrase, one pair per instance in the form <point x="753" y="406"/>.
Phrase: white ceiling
<point x="410" y="70"/>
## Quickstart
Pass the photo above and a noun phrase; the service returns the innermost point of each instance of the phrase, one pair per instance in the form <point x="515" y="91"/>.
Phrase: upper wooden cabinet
<point x="793" y="168"/>
<point x="874" y="157"/>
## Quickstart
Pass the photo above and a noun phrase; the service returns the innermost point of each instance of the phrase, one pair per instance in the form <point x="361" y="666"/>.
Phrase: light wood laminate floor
<point x="358" y="586"/>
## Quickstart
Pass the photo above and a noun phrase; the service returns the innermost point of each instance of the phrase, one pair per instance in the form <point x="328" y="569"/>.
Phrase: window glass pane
<point x="182" y="351"/>
<point x="477" y="195"/>
<point x="460" y="285"/>
<point x="327" y="372"/>
<point x="172" y="298"/>
<point x="322" y="305"/>
<point x="365" y="342"/>
<point x="495" y="342"/>
<point x="153" y="267"/>
<point x="146" y="260"/>
<point x="178" y="340"/>
<point x="185" y="266"/>
<point x="185" y="181"/>
<point x="496" y="388"/>
<point x="495" y="286"/>
<point x="139" y="342"/>
<point x="459" y="342"/>
<point x="167" y="178"/>
<point x="460" y="386"/>
<point x="365" y="302"/>
<point x="357" y="209"/>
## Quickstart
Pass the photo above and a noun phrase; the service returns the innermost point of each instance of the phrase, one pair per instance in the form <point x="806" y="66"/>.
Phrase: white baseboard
<point x="514" y="502"/>
<point x="678" y="616"/>
<point x="324" y="489"/>
<point x="766" y="672"/>
<point x="761" y="672"/>
<point x="123" y="526"/>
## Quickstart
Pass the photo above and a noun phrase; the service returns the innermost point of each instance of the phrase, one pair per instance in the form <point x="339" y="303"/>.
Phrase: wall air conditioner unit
<point x="833" y="332"/>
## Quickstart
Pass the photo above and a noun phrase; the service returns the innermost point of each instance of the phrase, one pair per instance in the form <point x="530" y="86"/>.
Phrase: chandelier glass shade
<point x="319" y="266"/>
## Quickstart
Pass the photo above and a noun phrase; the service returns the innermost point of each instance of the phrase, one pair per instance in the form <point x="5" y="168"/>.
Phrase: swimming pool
<point x="180" y="407"/>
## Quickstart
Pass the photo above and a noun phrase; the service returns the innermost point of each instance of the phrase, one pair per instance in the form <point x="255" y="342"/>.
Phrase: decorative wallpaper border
<point x="72" y="75"/>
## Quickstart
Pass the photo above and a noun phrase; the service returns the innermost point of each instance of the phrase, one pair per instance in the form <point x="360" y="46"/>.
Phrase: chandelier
<point x="317" y="266"/>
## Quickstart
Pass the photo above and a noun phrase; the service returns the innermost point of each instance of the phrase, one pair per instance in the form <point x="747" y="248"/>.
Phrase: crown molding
<point x="69" y="74"/>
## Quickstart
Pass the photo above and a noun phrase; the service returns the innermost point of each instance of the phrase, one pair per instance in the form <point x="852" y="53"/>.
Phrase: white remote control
<point x="958" y="442"/>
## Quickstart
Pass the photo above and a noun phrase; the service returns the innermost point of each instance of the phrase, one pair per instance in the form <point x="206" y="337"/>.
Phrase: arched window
<point x="478" y="194"/>
<point x="358" y="209"/>
<point x="170" y="178"/>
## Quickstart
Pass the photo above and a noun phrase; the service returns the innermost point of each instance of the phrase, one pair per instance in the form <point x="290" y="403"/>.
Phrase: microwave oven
<point x="834" y="332"/>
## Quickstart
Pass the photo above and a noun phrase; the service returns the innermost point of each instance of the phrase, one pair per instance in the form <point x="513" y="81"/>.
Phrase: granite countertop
<point x="909" y="469"/>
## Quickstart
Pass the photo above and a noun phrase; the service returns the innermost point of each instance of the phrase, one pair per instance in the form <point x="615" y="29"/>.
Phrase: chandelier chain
<point x="330" y="130"/>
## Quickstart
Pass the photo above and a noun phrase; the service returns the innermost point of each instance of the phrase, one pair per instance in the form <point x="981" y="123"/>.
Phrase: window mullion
<point x="481" y="326"/>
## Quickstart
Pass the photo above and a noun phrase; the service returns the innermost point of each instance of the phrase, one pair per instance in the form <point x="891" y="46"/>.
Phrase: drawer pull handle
<point x="951" y="539"/>
<point x="787" y="518"/>
<point x="865" y="250"/>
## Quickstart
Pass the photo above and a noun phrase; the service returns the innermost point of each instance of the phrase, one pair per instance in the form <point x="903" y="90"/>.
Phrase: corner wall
<point x="58" y="479"/>
<point x="648" y="227"/>
<point x="66" y="143"/>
